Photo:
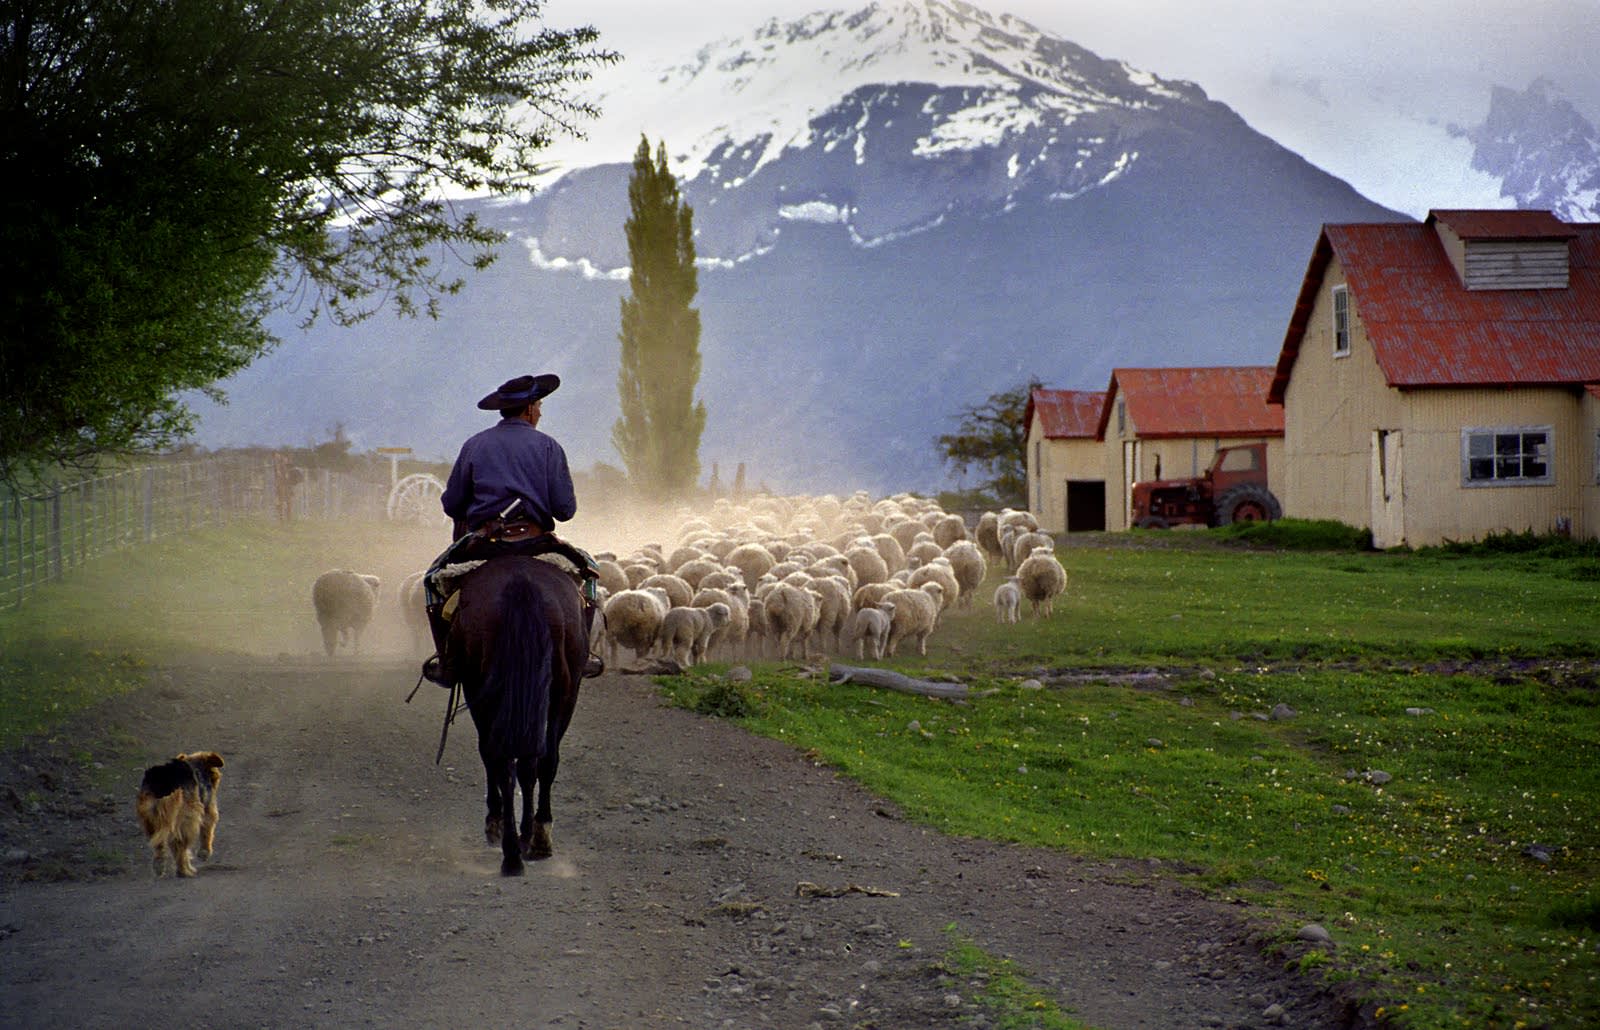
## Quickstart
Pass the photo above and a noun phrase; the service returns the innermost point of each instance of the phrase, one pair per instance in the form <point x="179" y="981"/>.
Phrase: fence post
<point x="149" y="503"/>
<point x="54" y="560"/>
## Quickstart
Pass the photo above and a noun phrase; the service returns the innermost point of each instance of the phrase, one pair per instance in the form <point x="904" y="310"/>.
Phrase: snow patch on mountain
<point x="1544" y="153"/>
<point x="761" y="91"/>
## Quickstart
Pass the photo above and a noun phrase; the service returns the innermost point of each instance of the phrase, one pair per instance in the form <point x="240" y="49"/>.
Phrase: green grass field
<point x="1470" y="679"/>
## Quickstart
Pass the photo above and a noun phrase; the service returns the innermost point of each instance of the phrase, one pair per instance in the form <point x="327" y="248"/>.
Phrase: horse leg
<point x="510" y="847"/>
<point x="542" y="845"/>
<point x="492" y="819"/>
<point x="527" y="773"/>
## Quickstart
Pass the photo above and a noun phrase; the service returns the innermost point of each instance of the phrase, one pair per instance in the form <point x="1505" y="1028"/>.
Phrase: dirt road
<point x="352" y="885"/>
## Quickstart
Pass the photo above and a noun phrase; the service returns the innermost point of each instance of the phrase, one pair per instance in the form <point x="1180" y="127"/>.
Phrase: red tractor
<point x="1233" y="489"/>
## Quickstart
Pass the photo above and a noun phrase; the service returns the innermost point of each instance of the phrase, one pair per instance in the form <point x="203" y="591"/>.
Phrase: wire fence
<point x="46" y="533"/>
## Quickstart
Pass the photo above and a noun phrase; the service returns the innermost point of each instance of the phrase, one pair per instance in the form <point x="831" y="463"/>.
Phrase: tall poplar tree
<point x="658" y="434"/>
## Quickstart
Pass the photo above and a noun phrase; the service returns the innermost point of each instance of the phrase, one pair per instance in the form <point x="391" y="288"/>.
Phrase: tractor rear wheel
<point x="1250" y="502"/>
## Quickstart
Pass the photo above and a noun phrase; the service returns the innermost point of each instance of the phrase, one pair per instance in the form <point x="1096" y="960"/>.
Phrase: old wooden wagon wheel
<point x="415" y="498"/>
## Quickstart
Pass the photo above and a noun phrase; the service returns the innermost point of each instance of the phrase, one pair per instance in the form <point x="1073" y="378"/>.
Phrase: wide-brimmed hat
<point x="521" y="390"/>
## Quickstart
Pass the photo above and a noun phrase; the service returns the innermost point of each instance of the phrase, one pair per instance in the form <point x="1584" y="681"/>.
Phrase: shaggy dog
<point x="178" y="807"/>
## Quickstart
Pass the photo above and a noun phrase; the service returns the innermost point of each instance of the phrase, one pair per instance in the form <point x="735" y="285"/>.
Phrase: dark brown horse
<point x="518" y="647"/>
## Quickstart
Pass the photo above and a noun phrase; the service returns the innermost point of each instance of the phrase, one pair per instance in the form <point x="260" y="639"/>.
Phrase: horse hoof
<point x="511" y="867"/>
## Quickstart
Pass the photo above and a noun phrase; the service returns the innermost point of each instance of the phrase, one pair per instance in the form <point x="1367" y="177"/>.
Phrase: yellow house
<point x="1441" y="380"/>
<point x="1066" y="469"/>
<point x="1168" y="423"/>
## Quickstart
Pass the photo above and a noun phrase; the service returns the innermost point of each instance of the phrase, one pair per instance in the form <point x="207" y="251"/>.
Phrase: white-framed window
<point x="1122" y="417"/>
<point x="1506" y="456"/>
<point x="1341" y="321"/>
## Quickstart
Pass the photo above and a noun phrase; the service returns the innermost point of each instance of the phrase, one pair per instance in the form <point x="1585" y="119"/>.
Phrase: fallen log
<point x="891" y="680"/>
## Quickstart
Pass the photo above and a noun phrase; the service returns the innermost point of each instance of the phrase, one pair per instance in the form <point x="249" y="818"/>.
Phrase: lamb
<point x="686" y="632"/>
<point x="868" y="629"/>
<point x="733" y="633"/>
<point x="1042" y="580"/>
<point x="633" y="619"/>
<point x="915" y="612"/>
<point x="966" y="561"/>
<point x="344" y="601"/>
<point x="1008" y="601"/>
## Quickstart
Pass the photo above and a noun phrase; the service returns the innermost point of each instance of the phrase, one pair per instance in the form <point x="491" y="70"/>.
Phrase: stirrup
<point x="433" y="672"/>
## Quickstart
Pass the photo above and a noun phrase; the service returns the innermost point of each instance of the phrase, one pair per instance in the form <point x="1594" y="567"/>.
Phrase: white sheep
<point x="870" y="595"/>
<point x="938" y="571"/>
<point x="968" y="564"/>
<point x="414" y="612"/>
<point x="686" y="632"/>
<point x="1042" y="580"/>
<point x="791" y="611"/>
<point x="947" y="529"/>
<point x="915" y="613"/>
<point x="1024" y="543"/>
<point x="1008" y="601"/>
<point x="633" y="619"/>
<point x="344" y="601"/>
<point x="868" y="630"/>
<point x="867" y="563"/>
<point x="678" y="591"/>
<point x="833" y="609"/>
<point x="753" y="560"/>
<point x="988" y="535"/>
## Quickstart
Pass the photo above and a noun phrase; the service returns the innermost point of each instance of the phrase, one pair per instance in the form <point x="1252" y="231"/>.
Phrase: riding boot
<point x="436" y="669"/>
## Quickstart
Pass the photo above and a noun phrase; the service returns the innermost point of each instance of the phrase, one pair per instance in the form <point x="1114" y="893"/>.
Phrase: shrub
<point x="1299" y="535"/>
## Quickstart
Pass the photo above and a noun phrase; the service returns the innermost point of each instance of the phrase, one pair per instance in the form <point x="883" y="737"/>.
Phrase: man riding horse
<point x="509" y="487"/>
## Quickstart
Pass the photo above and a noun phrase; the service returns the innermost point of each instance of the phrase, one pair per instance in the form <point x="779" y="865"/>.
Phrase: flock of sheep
<point x="778" y="577"/>
<point x="786" y="577"/>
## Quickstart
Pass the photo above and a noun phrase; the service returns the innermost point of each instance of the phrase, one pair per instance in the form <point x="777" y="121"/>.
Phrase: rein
<point x="452" y="708"/>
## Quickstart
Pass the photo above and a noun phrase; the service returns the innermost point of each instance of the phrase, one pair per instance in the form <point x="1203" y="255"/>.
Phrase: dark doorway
<point x="1086" y="505"/>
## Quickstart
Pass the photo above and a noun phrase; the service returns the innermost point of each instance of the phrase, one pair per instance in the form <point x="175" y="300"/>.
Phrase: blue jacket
<point x="506" y="461"/>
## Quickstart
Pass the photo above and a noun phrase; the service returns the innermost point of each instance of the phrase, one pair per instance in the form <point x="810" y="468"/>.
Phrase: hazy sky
<point x="1364" y="88"/>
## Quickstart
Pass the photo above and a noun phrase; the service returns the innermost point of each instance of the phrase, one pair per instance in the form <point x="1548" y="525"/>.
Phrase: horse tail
<point x="520" y="667"/>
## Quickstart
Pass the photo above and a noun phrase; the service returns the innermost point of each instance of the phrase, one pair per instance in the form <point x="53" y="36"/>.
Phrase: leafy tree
<point x="658" y="434"/>
<point x="181" y="167"/>
<point x="992" y="438"/>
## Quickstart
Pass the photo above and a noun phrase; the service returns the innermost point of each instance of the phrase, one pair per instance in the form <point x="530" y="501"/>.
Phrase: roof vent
<point x="1505" y="250"/>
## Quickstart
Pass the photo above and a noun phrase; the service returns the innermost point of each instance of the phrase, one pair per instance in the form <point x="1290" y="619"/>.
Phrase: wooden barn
<point x="1168" y="423"/>
<point x="1066" y="465"/>
<point x="1441" y="380"/>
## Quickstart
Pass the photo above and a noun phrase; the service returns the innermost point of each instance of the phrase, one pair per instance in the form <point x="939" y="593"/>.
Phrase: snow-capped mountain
<point x="900" y="210"/>
<point x="1544" y="152"/>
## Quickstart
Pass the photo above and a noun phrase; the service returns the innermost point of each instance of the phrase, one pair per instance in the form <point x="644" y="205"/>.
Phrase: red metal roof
<point x="1173" y="402"/>
<point x="1505" y="225"/>
<point x="1428" y="330"/>
<point x="1065" y="414"/>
